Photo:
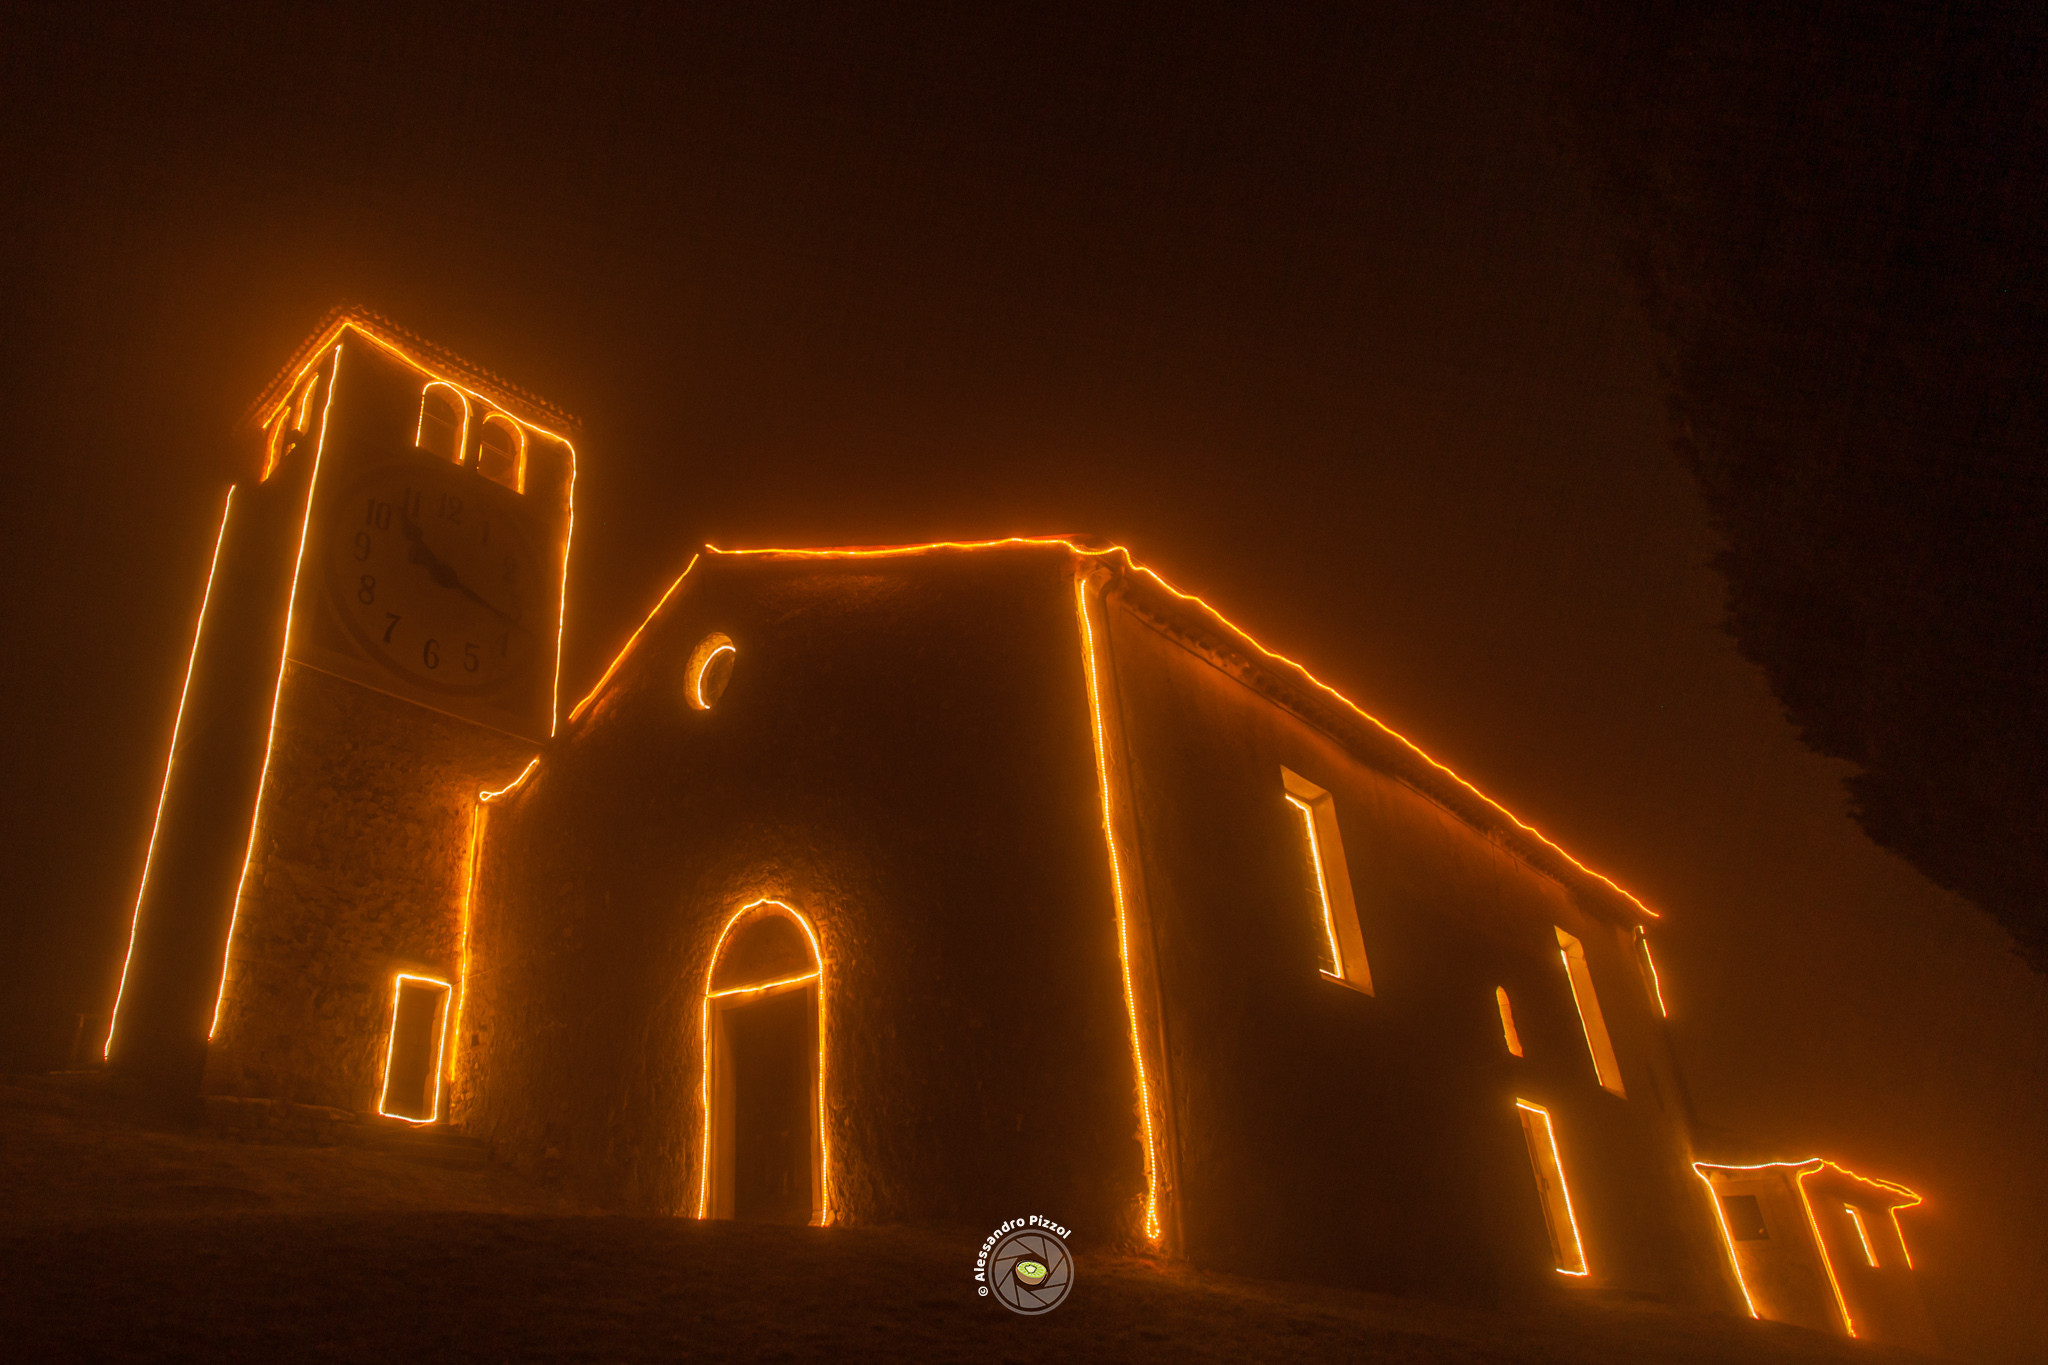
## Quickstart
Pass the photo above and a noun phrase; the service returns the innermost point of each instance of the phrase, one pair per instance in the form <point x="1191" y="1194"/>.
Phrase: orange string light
<point x="568" y="538"/>
<point x="391" y="1047"/>
<point x="419" y="432"/>
<point x="469" y="876"/>
<point x="332" y="337"/>
<point x="1564" y="1188"/>
<point x="1727" y="1237"/>
<point x="1656" y="982"/>
<point x="764" y="986"/>
<point x="1315" y="853"/>
<point x="697" y="683"/>
<point x="170" y="760"/>
<point x="499" y="415"/>
<point x="1799" y="1171"/>
<point x="1827" y="1261"/>
<point x="854" y="552"/>
<point x="1862" y="1233"/>
<point x="1123" y="935"/>
<point x="514" y="784"/>
<point x="631" y="640"/>
<point x="704" y="1042"/>
<point x="561" y="595"/>
<point x="277" y="693"/>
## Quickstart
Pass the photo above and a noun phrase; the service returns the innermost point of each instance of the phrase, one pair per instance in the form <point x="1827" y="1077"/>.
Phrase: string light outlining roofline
<point x="617" y="659"/>
<point x="416" y="351"/>
<point x="1799" y="1171"/>
<point x="879" y="551"/>
<point x="439" y="374"/>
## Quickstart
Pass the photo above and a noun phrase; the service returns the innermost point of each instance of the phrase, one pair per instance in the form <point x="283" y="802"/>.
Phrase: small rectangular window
<point x="1342" y="946"/>
<point x="1745" y="1218"/>
<point x="412" y="1055"/>
<point x="1597" y="1041"/>
<point x="1565" y="1247"/>
<point x="1507" y="1020"/>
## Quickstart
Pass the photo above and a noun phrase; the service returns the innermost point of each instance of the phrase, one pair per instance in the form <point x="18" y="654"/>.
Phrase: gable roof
<point x="1204" y="630"/>
<point x="416" y="351"/>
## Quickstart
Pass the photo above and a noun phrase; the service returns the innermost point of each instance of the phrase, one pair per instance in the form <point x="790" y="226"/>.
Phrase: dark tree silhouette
<point x="1838" y="218"/>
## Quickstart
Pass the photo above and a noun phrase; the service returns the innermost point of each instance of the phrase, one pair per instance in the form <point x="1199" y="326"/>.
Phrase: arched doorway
<point x="762" y="1152"/>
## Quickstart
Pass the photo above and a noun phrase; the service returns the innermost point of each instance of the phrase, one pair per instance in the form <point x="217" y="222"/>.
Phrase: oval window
<point x="710" y="669"/>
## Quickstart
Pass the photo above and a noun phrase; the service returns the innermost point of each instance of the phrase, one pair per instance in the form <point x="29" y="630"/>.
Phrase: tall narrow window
<point x="501" y="452"/>
<point x="1597" y="1041"/>
<point x="444" y="422"/>
<point x="1862" y="1234"/>
<point x="1342" y="947"/>
<point x="412" y="1055"/>
<point x="1507" y="1020"/>
<point x="1565" y="1247"/>
<point x="1650" y="977"/>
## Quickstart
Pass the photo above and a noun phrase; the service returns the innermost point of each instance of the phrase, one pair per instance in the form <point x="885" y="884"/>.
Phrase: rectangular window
<point x="1597" y="1041"/>
<point x="1745" y="1218"/>
<point x="1343" y="948"/>
<point x="1550" y="1187"/>
<point x="412" y="1056"/>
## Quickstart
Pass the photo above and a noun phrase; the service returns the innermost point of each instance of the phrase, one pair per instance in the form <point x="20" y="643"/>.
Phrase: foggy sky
<point x="1313" y="311"/>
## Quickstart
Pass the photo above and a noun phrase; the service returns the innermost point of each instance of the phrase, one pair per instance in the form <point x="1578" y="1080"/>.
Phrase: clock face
<point x="436" y="580"/>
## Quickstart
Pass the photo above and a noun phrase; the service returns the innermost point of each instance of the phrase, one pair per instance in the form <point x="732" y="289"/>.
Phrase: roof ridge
<point x="407" y="342"/>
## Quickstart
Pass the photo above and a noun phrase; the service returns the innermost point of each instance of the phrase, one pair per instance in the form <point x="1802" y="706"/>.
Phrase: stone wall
<point x="1373" y="1138"/>
<point x="904" y="756"/>
<point x="357" y="874"/>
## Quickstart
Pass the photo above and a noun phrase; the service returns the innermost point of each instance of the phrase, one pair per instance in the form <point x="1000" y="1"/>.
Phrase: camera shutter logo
<point x="1030" y="1271"/>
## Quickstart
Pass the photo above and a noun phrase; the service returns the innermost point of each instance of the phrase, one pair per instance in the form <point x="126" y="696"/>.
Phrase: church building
<point x="933" y="884"/>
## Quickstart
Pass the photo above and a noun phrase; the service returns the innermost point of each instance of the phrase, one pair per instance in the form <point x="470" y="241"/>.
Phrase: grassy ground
<point x="123" y="1242"/>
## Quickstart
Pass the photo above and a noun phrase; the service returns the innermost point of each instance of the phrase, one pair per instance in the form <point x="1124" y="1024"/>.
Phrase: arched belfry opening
<point x="763" y="1155"/>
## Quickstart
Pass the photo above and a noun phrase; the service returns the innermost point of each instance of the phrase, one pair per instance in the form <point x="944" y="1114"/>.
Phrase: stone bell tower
<point x="379" y="638"/>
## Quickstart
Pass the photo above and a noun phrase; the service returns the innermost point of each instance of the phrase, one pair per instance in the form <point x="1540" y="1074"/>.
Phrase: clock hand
<point x="471" y="594"/>
<point x="441" y="571"/>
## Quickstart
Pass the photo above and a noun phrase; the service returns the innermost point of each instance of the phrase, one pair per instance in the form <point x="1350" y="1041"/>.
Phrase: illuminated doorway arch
<point x="763" y="993"/>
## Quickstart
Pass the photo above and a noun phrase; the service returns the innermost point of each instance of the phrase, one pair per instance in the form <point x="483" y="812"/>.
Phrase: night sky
<point x="1315" y="311"/>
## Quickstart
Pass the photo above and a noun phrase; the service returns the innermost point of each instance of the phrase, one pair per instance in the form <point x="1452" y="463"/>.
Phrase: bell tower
<point x="380" y="637"/>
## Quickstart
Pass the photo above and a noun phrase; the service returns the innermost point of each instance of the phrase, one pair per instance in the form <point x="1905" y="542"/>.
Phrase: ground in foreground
<point x="127" y="1242"/>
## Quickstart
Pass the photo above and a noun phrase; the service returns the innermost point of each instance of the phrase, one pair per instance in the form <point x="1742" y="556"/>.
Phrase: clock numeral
<point x="379" y="515"/>
<point x="367" y="593"/>
<point x="362" y="545"/>
<point x="394" y="618"/>
<point x="451" y="508"/>
<point x="412" y="504"/>
<point x="429" y="655"/>
<point x="471" y="660"/>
